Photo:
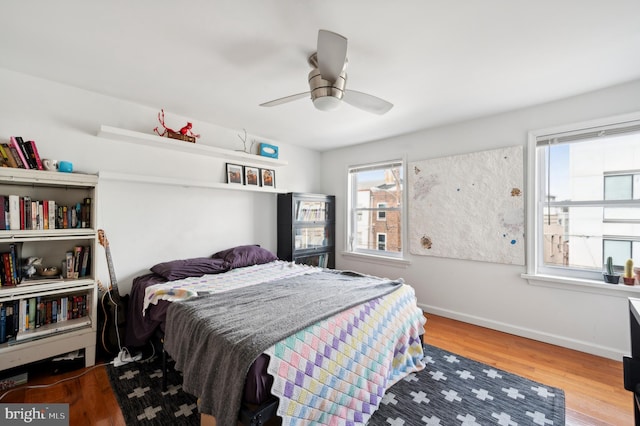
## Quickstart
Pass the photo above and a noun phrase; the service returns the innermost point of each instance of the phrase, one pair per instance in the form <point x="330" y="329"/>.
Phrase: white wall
<point x="488" y="294"/>
<point x="148" y="223"/>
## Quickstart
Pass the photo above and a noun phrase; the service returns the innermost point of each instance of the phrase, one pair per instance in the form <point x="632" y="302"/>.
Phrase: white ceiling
<point x="438" y="62"/>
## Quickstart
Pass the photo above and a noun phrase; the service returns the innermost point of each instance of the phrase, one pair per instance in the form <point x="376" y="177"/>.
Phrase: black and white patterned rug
<point x="451" y="390"/>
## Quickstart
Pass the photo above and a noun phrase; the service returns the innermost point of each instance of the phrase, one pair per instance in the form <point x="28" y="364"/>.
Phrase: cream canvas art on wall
<point x="468" y="206"/>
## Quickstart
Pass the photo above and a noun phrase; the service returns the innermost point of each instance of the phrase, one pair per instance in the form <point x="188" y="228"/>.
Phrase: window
<point x="382" y="241"/>
<point x="376" y="197"/>
<point x="587" y="199"/>
<point x="382" y="214"/>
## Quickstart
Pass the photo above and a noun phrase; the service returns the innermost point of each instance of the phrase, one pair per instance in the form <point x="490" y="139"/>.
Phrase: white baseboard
<point x="554" y="339"/>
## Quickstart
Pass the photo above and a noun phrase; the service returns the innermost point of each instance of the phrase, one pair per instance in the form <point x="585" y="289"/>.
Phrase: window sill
<point x="583" y="285"/>
<point x="377" y="259"/>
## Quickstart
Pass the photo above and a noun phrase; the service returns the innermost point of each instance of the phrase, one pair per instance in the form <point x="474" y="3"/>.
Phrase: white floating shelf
<point x="188" y="183"/>
<point x="123" y="135"/>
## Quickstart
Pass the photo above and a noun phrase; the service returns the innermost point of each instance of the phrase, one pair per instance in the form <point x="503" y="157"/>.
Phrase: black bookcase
<point x="306" y="228"/>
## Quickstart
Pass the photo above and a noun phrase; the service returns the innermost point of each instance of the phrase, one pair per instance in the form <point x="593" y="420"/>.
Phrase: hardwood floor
<point x="593" y="386"/>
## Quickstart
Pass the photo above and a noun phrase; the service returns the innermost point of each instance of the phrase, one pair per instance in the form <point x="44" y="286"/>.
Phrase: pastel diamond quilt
<point x="336" y="371"/>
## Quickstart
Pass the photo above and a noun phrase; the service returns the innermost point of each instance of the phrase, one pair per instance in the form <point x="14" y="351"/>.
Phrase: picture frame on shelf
<point x="235" y="175"/>
<point x="268" y="178"/>
<point x="251" y="176"/>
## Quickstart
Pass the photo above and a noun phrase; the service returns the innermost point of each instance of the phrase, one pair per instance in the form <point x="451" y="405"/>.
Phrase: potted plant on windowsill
<point x="628" y="277"/>
<point x="609" y="275"/>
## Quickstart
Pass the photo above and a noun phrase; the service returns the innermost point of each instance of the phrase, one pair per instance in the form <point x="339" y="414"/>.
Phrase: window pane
<point x="577" y="239"/>
<point x="376" y="217"/>
<point x="620" y="251"/>
<point x="618" y="187"/>
<point x="312" y="237"/>
<point x="574" y="237"/>
<point x="575" y="171"/>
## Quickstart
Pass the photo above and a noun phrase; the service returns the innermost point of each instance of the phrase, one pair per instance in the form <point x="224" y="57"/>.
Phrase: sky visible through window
<point x="559" y="172"/>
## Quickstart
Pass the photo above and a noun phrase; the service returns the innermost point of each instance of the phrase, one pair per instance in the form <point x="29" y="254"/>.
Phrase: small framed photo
<point x="234" y="174"/>
<point x="268" y="178"/>
<point x="251" y="176"/>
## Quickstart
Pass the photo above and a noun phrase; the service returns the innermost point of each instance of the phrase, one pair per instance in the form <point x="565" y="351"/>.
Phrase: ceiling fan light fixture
<point x="327" y="103"/>
<point x="328" y="78"/>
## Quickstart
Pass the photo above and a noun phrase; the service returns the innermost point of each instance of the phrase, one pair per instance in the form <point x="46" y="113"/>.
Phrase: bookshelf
<point x="306" y="228"/>
<point x="64" y="306"/>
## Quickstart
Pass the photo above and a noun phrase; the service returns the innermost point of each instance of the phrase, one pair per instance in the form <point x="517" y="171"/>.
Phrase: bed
<point x="328" y="355"/>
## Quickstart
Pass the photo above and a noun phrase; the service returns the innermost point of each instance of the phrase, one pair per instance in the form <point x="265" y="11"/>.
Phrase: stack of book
<point x="25" y="318"/>
<point x="20" y="154"/>
<point x="21" y="212"/>
<point x="77" y="262"/>
<point x="11" y="265"/>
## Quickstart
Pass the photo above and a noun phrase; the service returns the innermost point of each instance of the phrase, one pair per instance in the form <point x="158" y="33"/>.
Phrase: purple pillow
<point x="241" y="256"/>
<point x="194" y="267"/>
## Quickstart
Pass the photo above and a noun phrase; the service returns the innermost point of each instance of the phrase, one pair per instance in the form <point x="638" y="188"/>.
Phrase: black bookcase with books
<point x="306" y="228"/>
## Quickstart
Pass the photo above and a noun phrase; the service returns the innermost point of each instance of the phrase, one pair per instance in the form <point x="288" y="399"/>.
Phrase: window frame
<point x="384" y="240"/>
<point x="382" y="212"/>
<point x="352" y="214"/>
<point x="559" y="276"/>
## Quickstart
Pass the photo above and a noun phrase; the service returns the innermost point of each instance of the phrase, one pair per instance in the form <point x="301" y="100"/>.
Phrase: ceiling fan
<point x="328" y="78"/>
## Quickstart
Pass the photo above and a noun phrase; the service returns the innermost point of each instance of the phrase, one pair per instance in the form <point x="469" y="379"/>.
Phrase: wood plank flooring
<point x="593" y="385"/>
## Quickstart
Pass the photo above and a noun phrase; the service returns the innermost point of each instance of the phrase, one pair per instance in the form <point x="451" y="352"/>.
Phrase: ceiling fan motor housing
<point x="321" y="88"/>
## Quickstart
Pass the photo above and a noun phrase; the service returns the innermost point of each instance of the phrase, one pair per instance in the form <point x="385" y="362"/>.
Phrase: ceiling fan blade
<point x="366" y="102"/>
<point x="332" y="54"/>
<point x="285" y="99"/>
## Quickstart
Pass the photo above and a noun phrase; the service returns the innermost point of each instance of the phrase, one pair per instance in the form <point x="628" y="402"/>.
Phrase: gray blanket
<point x="215" y="339"/>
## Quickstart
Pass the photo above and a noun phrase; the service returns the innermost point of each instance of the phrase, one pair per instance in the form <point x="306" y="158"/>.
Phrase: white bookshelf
<point x="54" y="338"/>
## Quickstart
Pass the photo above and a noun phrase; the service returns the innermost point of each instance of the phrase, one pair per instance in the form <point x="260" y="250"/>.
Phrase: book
<point x="37" y="155"/>
<point x="31" y="321"/>
<point x="68" y="265"/>
<point x="16" y="157"/>
<point x="86" y="213"/>
<point x="18" y="150"/>
<point x="33" y="152"/>
<point x="14" y="212"/>
<point x="25" y="152"/>
<point x="77" y="256"/>
<point x="84" y="268"/>
<point x="4" y="158"/>
<point x="52" y="214"/>
<point x="11" y="161"/>
<point x="3" y="212"/>
<point x="6" y="267"/>
<point x="15" y="253"/>
<point x="23" y="324"/>
<point x="40" y="313"/>
<point x="3" y="323"/>
<point x="25" y="212"/>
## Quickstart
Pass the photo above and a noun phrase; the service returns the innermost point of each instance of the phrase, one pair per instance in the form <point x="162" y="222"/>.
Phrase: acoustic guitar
<point x="114" y="307"/>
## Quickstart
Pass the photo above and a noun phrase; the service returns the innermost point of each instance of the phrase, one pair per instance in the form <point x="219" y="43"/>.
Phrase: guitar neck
<point x="112" y="274"/>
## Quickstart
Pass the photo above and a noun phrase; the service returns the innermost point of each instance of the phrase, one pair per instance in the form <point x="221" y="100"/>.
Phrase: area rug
<point x="451" y="390"/>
